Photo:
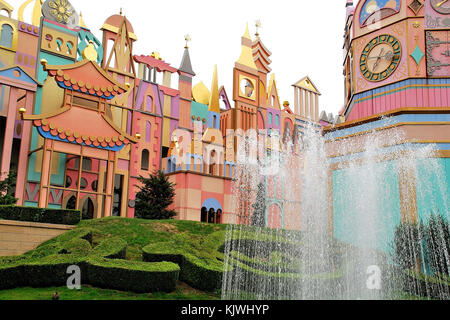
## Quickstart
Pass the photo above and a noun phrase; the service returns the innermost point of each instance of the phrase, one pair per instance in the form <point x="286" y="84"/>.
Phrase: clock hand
<point x="375" y="66"/>
<point x="441" y="3"/>
<point x="385" y="56"/>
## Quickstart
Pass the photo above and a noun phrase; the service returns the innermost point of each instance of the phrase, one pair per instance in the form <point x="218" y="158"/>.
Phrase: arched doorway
<point x="211" y="211"/>
<point x="71" y="203"/>
<point x="88" y="210"/>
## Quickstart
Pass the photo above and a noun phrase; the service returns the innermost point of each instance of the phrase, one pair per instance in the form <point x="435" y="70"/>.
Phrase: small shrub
<point x="41" y="215"/>
<point x="437" y="239"/>
<point x="407" y="245"/>
<point x="7" y="190"/>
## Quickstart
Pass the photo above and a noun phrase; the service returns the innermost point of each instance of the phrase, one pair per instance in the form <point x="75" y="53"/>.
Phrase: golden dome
<point x="201" y="93"/>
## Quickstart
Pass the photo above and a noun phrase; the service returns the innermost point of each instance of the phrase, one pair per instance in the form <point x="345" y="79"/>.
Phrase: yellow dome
<point x="201" y="93"/>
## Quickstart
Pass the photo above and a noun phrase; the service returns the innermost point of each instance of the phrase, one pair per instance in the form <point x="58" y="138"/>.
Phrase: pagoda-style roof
<point x="261" y="56"/>
<point x="86" y="77"/>
<point x="159" y="65"/>
<point x="81" y="126"/>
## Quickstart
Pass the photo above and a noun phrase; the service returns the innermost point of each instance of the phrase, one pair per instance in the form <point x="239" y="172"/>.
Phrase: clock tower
<point x="246" y="89"/>
<point x="392" y="49"/>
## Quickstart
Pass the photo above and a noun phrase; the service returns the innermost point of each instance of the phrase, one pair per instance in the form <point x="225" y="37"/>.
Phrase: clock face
<point x="380" y="58"/>
<point x="441" y="6"/>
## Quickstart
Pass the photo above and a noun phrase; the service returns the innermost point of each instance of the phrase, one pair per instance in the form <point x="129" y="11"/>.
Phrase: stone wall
<point x="18" y="237"/>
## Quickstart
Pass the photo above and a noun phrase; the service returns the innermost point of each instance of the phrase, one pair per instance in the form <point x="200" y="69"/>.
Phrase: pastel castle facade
<point x="84" y="117"/>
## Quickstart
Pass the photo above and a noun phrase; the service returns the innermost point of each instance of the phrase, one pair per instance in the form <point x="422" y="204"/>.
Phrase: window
<point x="212" y="162"/>
<point x="6" y="36"/>
<point x="83" y="184"/>
<point x="149" y="101"/>
<point x="277" y="120"/>
<point x="68" y="182"/>
<point x="148" y="131"/>
<point x="71" y="204"/>
<point x="85" y="102"/>
<point x="270" y="117"/>
<point x="94" y="185"/>
<point x="145" y="160"/>
<point x="59" y="43"/>
<point x="87" y="164"/>
<point x="88" y="209"/>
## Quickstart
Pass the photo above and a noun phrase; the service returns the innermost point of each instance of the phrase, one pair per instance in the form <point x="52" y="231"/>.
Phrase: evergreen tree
<point x="437" y="239"/>
<point x="7" y="189"/>
<point x="154" y="197"/>
<point x="259" y="207"/>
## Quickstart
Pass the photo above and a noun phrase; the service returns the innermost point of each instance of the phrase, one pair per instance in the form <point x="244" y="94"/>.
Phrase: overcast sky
<point x="305" y="37"/>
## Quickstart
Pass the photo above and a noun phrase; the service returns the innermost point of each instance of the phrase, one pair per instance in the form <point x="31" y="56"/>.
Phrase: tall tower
<point x="246" y="86"/>
<point x="392" y="49"/>
<point x="186" y="73"/>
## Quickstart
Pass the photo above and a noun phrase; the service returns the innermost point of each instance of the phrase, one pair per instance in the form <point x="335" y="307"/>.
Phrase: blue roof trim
<point x="48" y="135"/>
<point x="388" y="121"/>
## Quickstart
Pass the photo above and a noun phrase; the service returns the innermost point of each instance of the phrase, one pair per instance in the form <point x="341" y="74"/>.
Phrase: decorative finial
<point x="90" y="53"/>
<point x="44" y="64"/>
<point x="258" y="25"/>
<point x="81" y="21"/>
<point x="156" y="56"/>
<point x="187" y="37"/>
<point x="121" y="11"/>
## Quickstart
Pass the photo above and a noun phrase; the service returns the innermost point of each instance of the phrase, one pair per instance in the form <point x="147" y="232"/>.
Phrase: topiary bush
<point x="114" y="248"/>
<point x="40" y="215"/>
<point x="100" y="266"/>
<point x="132" y="276"/>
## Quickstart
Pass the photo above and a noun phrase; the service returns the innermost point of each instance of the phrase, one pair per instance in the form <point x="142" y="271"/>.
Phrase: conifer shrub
<point x="155" y="195"/>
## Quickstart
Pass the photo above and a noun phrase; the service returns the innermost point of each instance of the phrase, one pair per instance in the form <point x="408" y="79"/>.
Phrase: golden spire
<point x="81" y="21"/>
<point x="247" y="33"/>
<point x="246" y="57"/>
<point x="272" y="82"/>
<point x="214" y="105"/>
<point x="37" y="11"/>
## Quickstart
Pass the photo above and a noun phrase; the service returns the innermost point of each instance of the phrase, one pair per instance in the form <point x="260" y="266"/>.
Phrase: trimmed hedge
<point x="41" y="215"/>
<point x="114" y="248"/>
<point x="47" y="272"/>
<point x="194" y="271"/>
<point x="47" y="266"/>
<point x="133" y="276"/>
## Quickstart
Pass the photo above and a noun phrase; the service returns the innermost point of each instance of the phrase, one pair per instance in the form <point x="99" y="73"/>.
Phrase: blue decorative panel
<point x="366" y="205"/>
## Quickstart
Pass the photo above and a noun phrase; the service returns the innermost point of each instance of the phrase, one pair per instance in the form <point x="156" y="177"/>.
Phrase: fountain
<point x="343" y="212"/>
